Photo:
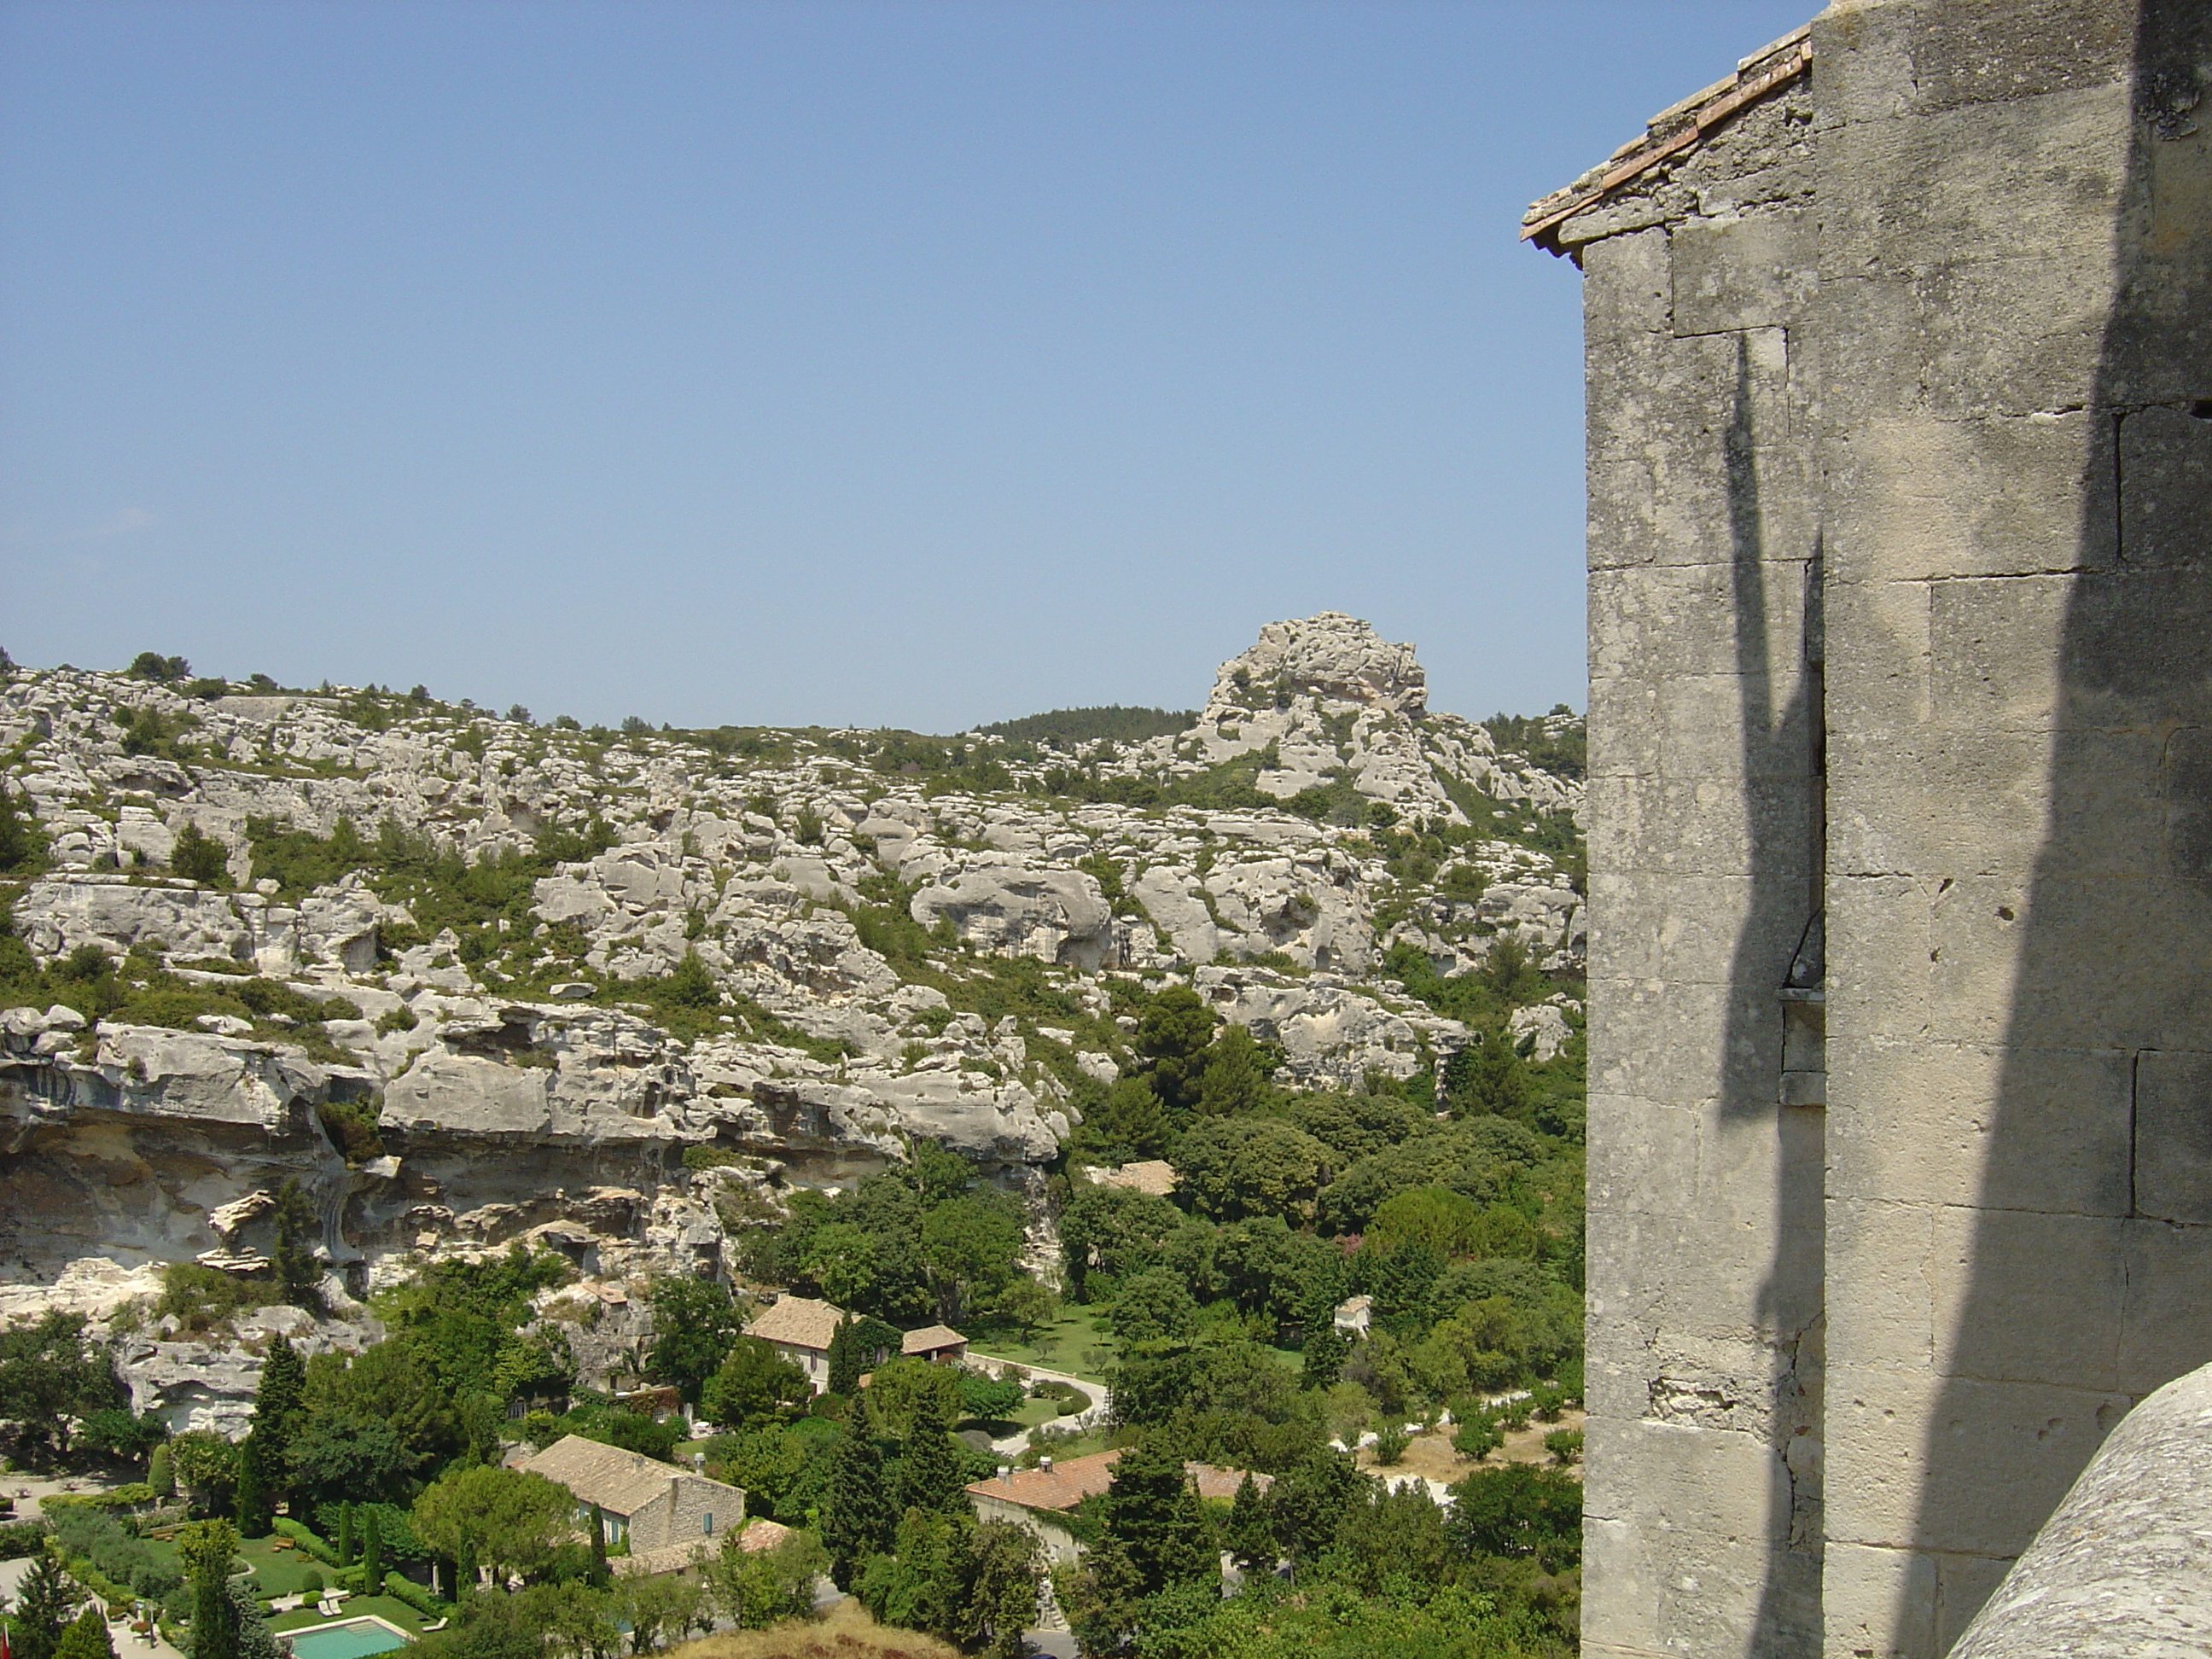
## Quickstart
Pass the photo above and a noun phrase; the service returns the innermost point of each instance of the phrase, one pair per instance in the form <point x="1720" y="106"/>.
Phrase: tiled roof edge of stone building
<point x="1676" y="129"/>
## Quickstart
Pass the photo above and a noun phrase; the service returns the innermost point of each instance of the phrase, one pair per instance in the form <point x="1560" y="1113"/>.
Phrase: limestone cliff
<point x="467" y="937"/>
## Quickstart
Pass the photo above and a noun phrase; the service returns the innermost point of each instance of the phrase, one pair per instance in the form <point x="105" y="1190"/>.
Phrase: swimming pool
<point x="351" y="1639"/>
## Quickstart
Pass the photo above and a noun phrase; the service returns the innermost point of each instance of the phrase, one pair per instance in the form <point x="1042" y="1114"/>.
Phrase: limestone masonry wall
<point x="1900" y="463"/>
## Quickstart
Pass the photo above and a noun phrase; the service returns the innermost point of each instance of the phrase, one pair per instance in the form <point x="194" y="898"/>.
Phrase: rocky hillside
<point x="469" y="978"/>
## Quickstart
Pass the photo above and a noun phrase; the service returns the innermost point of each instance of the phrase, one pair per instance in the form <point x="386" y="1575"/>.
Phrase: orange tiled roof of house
<point x="799" y="1320"/>
<point x="1062" y="1486"/>
<point x="1679" y="127"/>
<point x="1067" y="1484"/>
<point x="930" y="1338"/>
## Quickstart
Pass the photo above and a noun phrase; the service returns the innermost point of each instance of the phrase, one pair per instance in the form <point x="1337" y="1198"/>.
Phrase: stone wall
<point x="1901" y="455"/>
<point x="1705" y="685"/>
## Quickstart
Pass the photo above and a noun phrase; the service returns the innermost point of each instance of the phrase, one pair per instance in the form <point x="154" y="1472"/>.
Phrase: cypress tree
<point x="345" y="1534"/>
<point x="208" y="1547"/>
<point x="293" y="1253"/>
<point x="252" y="1499"/>
<point x="1152" y="1510"/>
<point x="372" y="1554"/>
<point x="845" y="1365"/>
<point x="1249" y="1542"/>
<point x="600" y="1572"/>
<point x="929" y="1470"/>
<point x="856" y="1518"/>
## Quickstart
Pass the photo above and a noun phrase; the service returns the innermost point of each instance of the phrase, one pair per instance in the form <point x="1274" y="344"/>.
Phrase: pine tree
<point x="85" y="1638"/>
<point x="44" y="1602"/>
<point x="1234" y="1082"/>
<point x="1249" y="1542"/>
<point x="372" y="1554"/>
<point x="845" y="1366"/>
<point x="1152" y="1511"/>
<point x="20" y="840"/>
<point x="856" y="1517"/>
<point x="294" y="1254"/>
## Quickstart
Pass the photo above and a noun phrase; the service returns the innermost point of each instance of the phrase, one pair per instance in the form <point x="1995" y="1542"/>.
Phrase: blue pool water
<point x="355" y="1640"/>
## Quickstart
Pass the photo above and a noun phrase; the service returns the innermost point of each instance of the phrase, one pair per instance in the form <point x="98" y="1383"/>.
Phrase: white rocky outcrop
<point x="557" y="1106"/>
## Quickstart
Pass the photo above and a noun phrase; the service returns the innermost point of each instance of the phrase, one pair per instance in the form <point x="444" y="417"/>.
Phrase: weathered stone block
<point x="1754" y="272"/>
<point x="1880" y="1299"/>
<point x="1686" y="1043"/>
<point x="1919" y="57"/>
<point x="2164" y="1329"/>
<point x="1963" y="340"/>
<point x="2029" y="1297"/>
<point x="2166" y="490"/>
<point x="1916" y="1459"/>
<point x="2009" y="1127"/>
<point x="2172" y="1141"/>
<point x="1625" y="286"/>
<point x="1995" y="644"/>
<point x="1653" y="826"/>
<point x="2032" y="176"/>
<point x="1864" y="1588"/>
<point x="1918" y="497"/>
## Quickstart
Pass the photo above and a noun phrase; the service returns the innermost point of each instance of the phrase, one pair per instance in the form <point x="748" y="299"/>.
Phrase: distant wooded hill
<point x="1065" y="725"/>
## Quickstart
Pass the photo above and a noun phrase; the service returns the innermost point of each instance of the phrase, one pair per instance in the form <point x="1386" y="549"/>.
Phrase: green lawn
<point x="1077" y="1342"/>
<point x="384" y="1606"/>
<point x="279" y="1573"/>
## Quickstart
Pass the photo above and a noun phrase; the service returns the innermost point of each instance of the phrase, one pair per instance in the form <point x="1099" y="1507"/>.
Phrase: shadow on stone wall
<point x="1780" y="766"/>
<point x="2089" y="1274"/>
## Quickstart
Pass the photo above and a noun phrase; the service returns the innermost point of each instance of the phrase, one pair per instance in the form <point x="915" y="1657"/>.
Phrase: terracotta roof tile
<point x="1061" y="1487"/>
<point x="929" y="1337"/>
<point x="1679" y="127"/>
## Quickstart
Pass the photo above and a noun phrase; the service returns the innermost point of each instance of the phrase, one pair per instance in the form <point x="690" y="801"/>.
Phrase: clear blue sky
<point x="912" y="364"/>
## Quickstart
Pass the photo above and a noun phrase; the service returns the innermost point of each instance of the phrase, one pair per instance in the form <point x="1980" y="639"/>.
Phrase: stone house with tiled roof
<point x="940" y="1345"/>
<point x="800" y="1329"/>
<point x="649" y="1506"/>
<point x="1036" y="1498"/>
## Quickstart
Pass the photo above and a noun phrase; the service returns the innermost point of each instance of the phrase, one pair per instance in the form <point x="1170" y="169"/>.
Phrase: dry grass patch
<point x="845" y="1632"/>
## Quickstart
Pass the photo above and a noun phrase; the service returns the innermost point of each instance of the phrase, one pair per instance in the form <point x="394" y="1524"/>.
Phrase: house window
<point x="707" y="1523"/>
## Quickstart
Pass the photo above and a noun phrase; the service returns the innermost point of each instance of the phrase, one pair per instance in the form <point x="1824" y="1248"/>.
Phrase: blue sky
<point x="912" y="364"/>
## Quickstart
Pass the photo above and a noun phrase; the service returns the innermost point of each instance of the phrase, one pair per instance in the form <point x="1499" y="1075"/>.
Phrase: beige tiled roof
<point x="1155" y="1175"/>
<point x="1677" y="128"/>
<point x="763" y="1535"/>
<point x="1214" y="1482"/>
<point x="930" y="1337"/>
<point x="799" y="1320"/>
<point x="619" y="1482"/>
<point x="1067" y="1484"/>
<point x="1061" y="1487"/>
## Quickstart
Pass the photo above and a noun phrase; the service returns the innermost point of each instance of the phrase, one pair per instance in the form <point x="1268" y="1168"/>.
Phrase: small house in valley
<point x="800" y="1329"/>
<point x="1039" y="1499"/>
<point x="940" y="1345"/>
<point x="655" y="1509"/>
